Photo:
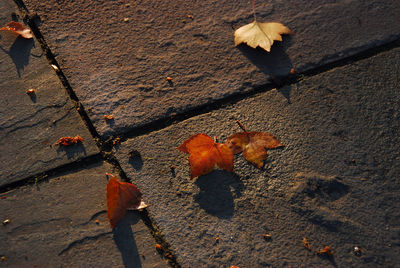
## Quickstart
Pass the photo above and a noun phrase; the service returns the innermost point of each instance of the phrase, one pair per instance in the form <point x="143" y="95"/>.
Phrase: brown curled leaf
<point x="121" y="196"/>
<point x="17" y="28"/>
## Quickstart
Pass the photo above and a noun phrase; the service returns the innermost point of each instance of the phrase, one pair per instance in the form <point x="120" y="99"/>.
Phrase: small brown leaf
<point x="108" y="117"/>
<point x="259" y="34"/>
<point x="17" y="28"/>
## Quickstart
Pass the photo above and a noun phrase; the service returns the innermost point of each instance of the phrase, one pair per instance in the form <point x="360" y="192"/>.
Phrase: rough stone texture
<point x="29" y="125"/>
<point x="53" y="224"/>
<point x="335" y="182"/>
<point x="117" y="54"/>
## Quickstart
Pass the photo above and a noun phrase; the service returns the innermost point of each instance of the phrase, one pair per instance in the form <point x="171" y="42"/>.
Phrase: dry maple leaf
<point x="120" y="197"/>
<point x="17" y="28"/>
<point x="205" y="154"/>
<point x="254" y="145"/>
<point x="261" y="34"/>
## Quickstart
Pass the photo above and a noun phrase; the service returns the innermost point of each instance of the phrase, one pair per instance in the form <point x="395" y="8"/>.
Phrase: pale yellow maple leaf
<point x="261" y="34"/>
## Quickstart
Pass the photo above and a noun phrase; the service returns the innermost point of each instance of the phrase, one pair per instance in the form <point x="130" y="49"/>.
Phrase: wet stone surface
<point x="31" y="124"/>
<point x="64" y="223"/>
<point x="334" y="182"/>
<point x="117" y="54"/>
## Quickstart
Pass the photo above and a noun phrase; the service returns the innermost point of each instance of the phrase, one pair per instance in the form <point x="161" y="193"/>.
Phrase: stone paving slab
<point x="335" y="182"/>
<point x="63" y="223"/>
<point x="30" y="125"/>
<point x="117" y="54"/>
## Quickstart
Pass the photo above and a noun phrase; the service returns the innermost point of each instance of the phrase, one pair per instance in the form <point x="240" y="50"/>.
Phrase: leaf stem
<point x="241" y="126"/>
<point x="254" y="10"/>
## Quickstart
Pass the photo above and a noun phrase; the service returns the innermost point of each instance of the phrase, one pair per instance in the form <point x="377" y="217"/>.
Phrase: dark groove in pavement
<point x="30" y="20"/>
<point x="46" y="175"/>
<point x="277" y="82"/>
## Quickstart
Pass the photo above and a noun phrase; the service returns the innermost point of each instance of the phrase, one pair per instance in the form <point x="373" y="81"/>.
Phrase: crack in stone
<point x="82" y="240"/>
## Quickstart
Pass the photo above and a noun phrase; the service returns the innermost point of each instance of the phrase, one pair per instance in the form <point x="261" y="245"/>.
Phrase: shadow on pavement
<point x="217" y="190"/>
<point x="125" y="241"/>
<point x="72" y="151"/>
<point x="20" y="52"/>
<point x="274" y="64"/>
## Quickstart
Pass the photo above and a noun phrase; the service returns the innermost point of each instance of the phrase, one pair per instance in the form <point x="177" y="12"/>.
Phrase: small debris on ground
<point x="108" y="117"/>
<point x="68" y="141"/>
<point x="6" y="221"/>
<point x="30" y="91"/>
<point x="158" y="247"/>
<point x="55" y="67"/>
<point x="126" y="19"/>
<point x="190" y="16"/>
<point x="3" y="258"/>
<point x="116" y="141"/>
<point x="267" y="236"/>
<point x="327" y="251"/>
<point x="306" y="244"/>
<point x="357" y="251"/>
<point x="169" y="79"/>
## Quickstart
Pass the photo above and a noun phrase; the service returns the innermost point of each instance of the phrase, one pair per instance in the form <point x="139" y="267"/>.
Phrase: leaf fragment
<point x="68" y="141"/>
<point x="205" y="154"/>
<point x="120" y="197"/>
<point x="108" y="117"/>
<point x="260" y="34"/>
<point x="17" y="28"/>
<point x="306" y="244"/>
<point x="254" y="145"/>
<point x="327" y="251"/>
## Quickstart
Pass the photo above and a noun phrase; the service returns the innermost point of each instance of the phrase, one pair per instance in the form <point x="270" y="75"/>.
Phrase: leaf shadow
<point x="330" y="258"/>
<point x="217" y="192"/>
<point x="20" y="52"/>
<point x="73" y="150"/>
<point x="125" y="240"/>
<point x="275" y="64"/>
<point x="136" y="160"/>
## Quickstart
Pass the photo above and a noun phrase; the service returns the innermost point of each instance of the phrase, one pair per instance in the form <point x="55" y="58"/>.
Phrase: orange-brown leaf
<point x="205" y="154"/>
<point x="254" y="145"/>
<point x="17" y="28"/>
<point x="120" y="197"/>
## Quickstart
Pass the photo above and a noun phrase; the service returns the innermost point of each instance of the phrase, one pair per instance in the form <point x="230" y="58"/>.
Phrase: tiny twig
<point x="254" y="10"/>
<point x="241" y="126"/>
